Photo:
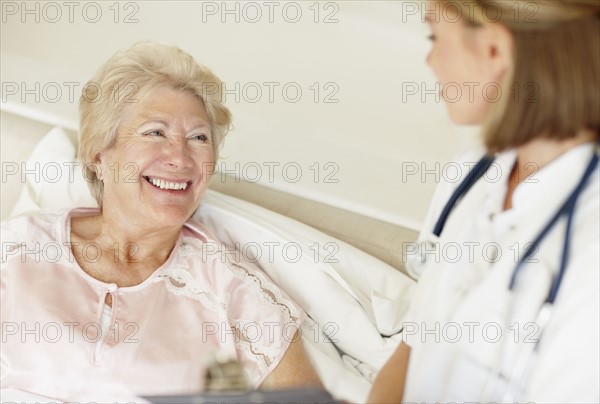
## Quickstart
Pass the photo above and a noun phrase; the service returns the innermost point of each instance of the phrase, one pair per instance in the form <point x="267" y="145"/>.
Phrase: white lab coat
<point x="465" y="327"/>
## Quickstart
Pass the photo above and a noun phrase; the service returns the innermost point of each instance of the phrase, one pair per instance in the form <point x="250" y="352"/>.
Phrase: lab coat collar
<point x="555" y="181"/>
<point x="540" y="194"/>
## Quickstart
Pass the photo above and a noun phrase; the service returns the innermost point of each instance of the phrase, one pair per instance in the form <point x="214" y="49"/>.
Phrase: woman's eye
<point x="431" y="37"/>
<point x="202" y="138"/>
<point x="153" y="133"/>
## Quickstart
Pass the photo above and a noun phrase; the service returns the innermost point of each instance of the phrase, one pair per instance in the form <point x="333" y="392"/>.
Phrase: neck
<point x="538" y="153"/>
<point x="136" y="243"/>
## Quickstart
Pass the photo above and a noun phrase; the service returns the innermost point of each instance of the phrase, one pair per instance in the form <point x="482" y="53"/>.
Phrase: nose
<point x="176" y="154"/>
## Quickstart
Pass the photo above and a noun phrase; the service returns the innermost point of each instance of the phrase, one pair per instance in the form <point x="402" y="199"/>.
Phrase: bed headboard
<point x="380" y="239"/>
<point x="19" y="134"/>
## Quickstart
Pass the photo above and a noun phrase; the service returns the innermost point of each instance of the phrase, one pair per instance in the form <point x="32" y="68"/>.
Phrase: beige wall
<point x="357" y="151"/>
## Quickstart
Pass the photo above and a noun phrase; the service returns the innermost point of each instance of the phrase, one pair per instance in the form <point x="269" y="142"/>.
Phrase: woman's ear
<point x="497" y="47"/>
<point x="98" y="166"/>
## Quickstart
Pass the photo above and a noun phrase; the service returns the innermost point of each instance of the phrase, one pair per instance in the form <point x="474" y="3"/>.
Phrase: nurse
<point x="507" y="303"/>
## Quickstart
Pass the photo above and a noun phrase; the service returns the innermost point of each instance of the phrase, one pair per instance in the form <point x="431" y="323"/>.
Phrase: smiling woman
<point x="143" y="74"/>
<point x="165" y="148"/>
<point x="146" y="306"/>
<point x="163" y="154"/>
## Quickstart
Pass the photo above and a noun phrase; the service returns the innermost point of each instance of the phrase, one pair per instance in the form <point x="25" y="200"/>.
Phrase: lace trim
<point x="180" y="282"/>
<point x="262" y="360"/>
<point x="270" y="296"/>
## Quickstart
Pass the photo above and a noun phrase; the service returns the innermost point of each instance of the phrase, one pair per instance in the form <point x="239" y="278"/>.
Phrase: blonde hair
<point x="125" y="79"/>
<point x="551" y="90"/>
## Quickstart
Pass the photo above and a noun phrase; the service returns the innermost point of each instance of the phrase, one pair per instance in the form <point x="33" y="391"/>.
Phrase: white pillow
<point x="53" y="178"/>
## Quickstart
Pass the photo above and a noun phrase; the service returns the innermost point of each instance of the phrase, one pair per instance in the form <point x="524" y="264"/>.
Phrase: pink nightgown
<point x="158" y="335"/>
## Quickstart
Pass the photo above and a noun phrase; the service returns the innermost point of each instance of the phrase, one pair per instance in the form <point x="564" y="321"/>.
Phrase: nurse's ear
<point x="496" y="46"/>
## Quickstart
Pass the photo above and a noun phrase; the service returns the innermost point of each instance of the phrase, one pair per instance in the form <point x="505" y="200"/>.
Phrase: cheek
<point x="467" y="108"/>
<point x="429" y="53"/>
<point x="128" y="162"/>
<point x="140" y="154"/>
<point x="431" y="57"/>
<point x="205" y="162"/>
<point x="441" y="64"/>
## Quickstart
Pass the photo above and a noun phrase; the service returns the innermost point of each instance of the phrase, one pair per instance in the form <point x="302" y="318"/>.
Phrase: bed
<point x="345" y="270"/>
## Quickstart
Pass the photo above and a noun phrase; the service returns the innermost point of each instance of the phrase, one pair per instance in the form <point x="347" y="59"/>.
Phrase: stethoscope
<point x="567" y="210"/>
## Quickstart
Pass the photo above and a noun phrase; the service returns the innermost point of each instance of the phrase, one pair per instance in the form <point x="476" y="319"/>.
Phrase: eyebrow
<point x="200" y="125"/>
<point x="151" y="120"/>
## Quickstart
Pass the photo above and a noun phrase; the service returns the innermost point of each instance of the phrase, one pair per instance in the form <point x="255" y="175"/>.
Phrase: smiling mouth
<point x="167" y="185"/>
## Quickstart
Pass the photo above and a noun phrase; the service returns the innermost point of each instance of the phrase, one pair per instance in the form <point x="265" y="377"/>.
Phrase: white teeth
<point x="168" y="185"/>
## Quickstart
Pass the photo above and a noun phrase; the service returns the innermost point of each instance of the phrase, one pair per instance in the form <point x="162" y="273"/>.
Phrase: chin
<point x="463" y="118"/>
<point x="169" y="216"/>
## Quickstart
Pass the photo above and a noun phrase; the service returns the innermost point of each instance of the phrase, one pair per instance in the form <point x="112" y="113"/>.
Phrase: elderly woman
<point x="129" y="302"/>
<point x="513" y="316"/>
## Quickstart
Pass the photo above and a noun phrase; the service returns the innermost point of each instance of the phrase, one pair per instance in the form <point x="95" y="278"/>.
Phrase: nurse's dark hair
<point x="552" y="90"/>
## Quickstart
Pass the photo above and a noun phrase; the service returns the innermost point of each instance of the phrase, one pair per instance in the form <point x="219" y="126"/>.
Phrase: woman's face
<point x="159" y="168"/>
<point x="458" y="58"/>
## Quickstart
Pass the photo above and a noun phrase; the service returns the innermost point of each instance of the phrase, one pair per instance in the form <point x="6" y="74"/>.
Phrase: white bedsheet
<point x="355" y="300"/>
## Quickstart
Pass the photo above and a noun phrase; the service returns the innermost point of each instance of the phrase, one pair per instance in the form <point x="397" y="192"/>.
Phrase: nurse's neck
<point x="538" y="153"/>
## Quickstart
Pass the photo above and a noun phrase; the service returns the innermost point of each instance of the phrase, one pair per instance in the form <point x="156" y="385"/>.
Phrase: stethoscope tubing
<point x="568" y="209"/>
<point x="480" y="168"/>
